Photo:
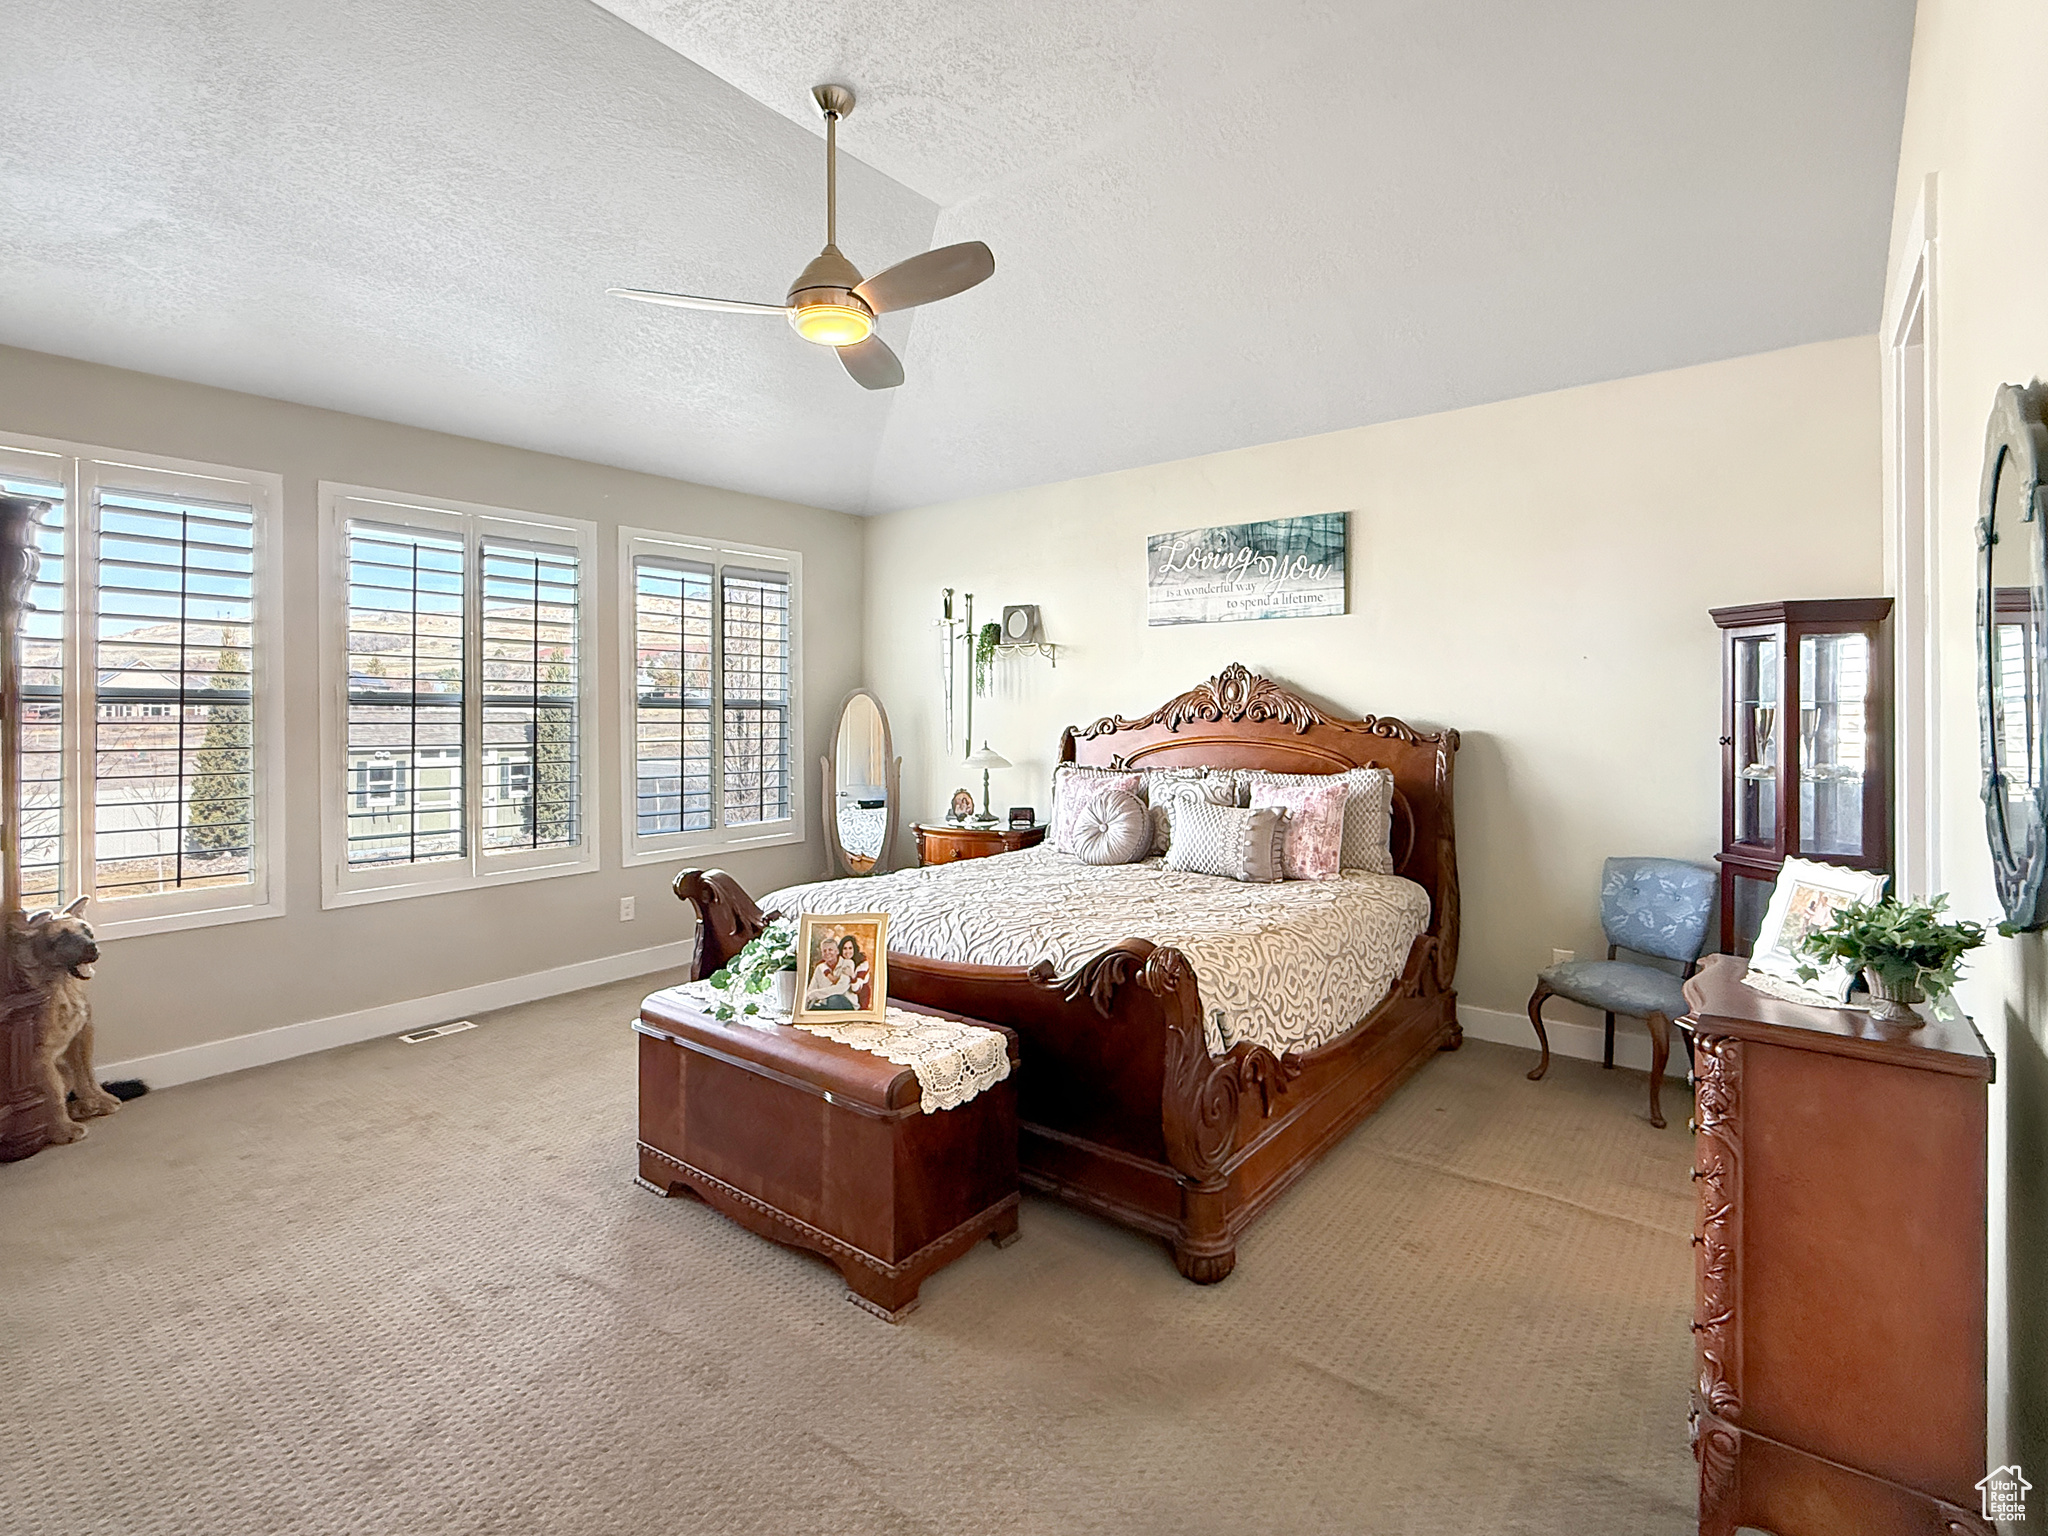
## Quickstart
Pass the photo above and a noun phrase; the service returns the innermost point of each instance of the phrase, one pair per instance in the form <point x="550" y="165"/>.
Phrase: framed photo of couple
<point x="843" y="968"/>
<point x="1806" y="898"/>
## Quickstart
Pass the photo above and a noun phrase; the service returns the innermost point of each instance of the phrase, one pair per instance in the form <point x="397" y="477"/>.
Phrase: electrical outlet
<point x="1560" y="956"/>
<point x="625" y="909"/>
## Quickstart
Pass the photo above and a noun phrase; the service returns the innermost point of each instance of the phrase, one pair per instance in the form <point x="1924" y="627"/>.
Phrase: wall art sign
<point x="1287" y="568"/>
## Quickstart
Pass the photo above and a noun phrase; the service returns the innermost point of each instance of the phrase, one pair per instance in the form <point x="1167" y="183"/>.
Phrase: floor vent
<point x="436" y="1032"/>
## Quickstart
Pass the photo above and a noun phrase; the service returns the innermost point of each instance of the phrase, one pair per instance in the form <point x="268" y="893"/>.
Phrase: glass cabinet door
<point x="1748" y="896"/>
<point x="1834" y="746"/>
<point x="1756" y="739"/>
<point x="1805" y="745"/>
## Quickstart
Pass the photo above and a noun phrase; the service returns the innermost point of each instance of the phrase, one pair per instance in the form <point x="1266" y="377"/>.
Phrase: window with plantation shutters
<point x="174" y="744"/>
<point x="41" y="662"/>
<point x="406" y="660"/>
<point x="458" y="749"/>
<point x="672" y="695"/>
<point x="754" y="635"/>
<point x="147" y="741"/>
<point x="532" y="762"/>
<point x="711" y="696"/>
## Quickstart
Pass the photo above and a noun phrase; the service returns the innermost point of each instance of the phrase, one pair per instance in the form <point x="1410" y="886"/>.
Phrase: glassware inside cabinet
<point x="1756" y="739"/>
<point x="1834" y="746"/>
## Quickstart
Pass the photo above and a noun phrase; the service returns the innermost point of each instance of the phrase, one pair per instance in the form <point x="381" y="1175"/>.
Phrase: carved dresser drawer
<point x="1839" y="1305"/>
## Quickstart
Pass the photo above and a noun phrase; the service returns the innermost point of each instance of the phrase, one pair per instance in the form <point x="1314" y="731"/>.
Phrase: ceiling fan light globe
<point x="830" y="317"/>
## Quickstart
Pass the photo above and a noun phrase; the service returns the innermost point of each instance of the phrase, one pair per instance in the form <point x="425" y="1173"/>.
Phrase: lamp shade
<point x="987" y="757"/>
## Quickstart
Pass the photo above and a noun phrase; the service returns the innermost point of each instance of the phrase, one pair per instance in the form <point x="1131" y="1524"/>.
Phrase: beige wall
<point x="1535" y="573"/>
<point x="164" y="991"/>
<point x="1977" y="118"/>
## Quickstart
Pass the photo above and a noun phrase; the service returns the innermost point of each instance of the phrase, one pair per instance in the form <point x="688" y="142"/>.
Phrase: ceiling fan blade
<point x="936" y="274"/>
<point x="872" y="364"/>
<point x="691" y="301"/>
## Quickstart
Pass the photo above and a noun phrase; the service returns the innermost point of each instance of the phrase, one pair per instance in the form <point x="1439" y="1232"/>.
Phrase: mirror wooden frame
<point x="892" y="771"/>
<point x="2015" y="444"/>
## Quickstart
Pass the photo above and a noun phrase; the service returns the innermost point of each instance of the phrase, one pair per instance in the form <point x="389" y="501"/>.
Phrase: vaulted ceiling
<point x="1215" y="223"/>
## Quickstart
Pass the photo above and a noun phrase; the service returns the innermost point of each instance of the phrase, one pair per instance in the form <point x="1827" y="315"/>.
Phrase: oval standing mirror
<point x="861" y="787"/>
<point x="2012" y="650"/>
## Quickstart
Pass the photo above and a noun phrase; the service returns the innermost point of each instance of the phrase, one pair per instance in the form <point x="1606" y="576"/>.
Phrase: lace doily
<point x="953" y="1061"/>
<point x="1792" y="992"/>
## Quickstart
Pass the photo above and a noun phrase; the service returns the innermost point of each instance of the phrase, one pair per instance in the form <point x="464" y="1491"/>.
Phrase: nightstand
<point x="948" y="842"/>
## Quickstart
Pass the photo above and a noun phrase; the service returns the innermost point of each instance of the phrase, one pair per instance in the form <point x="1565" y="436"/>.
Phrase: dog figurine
<point x="54" y="953"/>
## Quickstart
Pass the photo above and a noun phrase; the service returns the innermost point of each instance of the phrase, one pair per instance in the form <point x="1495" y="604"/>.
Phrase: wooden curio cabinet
<point x="1806" y="746"/>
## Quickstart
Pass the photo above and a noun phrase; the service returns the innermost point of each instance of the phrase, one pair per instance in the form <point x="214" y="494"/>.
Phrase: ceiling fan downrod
<point x="835" y="102"/>
<point x="822" y="304"/>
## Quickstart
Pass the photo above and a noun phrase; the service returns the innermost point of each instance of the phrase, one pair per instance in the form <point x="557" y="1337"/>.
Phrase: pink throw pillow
<point x="1074" y="788"/>
<point x="1313" y="847"/>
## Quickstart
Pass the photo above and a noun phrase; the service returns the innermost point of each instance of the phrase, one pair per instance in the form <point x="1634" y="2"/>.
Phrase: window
<point x="711" y="695"/>
<point x="146" y="753"/>
<point x="459" y="701"/>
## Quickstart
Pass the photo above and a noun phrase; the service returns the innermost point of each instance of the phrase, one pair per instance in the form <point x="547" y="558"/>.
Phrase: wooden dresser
<point x="947" y="842"/>
<point x="1839" y="1303"/>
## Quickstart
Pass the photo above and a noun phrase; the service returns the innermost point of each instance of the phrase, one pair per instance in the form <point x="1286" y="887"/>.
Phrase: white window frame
<point x="83" y="470"/>
<point x="661" y="847"/>
<point x="341" y="886"/>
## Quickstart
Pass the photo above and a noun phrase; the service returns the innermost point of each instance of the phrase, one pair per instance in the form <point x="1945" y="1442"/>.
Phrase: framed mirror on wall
<point x="862" y="774"/>
<point x="2012" y="650"/>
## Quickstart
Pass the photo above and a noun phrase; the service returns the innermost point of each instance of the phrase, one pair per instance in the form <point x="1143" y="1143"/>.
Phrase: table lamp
<point x="986" y="759"/>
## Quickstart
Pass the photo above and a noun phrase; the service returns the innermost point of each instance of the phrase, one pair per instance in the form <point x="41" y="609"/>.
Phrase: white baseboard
<point x="1569" y="1037"/>
<point x="192" y="1062"/>
<point x="169" y="1068"/>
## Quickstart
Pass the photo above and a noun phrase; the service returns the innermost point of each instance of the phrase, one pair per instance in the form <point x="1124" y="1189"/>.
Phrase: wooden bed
<point x="1122" y="1109"/>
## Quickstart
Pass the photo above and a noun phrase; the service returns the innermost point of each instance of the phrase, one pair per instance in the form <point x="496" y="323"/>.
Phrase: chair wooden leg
<point x="1607" y="1052"/>
<point x="1660" y="1052"/>
<point x="1536" y="1018"/>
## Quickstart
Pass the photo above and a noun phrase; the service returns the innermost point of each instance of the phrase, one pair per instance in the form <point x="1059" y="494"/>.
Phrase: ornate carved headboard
<point x="1241" y="720"/>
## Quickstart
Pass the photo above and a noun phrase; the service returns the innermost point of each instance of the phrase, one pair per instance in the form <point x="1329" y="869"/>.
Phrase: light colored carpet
<point x="411" y="1289"/>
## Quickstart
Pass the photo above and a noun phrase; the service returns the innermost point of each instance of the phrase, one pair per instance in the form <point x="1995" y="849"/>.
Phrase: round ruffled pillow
<point x="1112" y="827"/>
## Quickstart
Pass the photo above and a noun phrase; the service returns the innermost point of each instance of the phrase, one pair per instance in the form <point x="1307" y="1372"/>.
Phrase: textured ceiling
<point x="1215" y="224"/>
<point x="411" y="209"/>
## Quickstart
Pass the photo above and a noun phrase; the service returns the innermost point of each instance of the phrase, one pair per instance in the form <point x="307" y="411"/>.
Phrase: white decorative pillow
<point x="1164" y="786"/>
<point x="1314" y="840"/>
<point x="1368" y="812"/>
<point x="1225" y="840"/>
<point x="1112" y="827"/>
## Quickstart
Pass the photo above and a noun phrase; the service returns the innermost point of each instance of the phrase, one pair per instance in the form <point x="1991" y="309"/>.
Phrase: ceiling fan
<point x="830" y="303"/>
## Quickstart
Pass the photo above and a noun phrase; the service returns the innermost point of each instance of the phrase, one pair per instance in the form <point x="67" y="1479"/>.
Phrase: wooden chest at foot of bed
<point x="823" y="1147"/>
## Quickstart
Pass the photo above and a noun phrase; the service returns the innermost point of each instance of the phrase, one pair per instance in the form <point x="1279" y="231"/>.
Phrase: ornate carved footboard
<point x="1122" y="1109"/>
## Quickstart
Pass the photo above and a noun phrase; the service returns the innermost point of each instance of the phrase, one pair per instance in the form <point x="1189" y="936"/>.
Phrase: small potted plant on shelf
<point x="759" y="981"/>
<point x="1903" y="949"/>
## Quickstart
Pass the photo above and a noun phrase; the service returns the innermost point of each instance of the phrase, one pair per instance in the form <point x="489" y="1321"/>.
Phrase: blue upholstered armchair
<point x="1657" y="908"/>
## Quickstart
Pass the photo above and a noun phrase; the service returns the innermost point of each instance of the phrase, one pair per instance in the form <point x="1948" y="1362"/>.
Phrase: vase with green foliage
<point x="1903" y="948"/>
<point x="985" y="643"/>
<point x="752" y="984"/>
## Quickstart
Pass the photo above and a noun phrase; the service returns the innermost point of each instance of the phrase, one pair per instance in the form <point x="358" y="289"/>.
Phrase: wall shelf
<point x="1045" y="648"/>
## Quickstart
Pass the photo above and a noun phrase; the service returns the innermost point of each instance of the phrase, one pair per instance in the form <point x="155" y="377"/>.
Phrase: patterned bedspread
<point x="860" y="830"/>
<point x="1291" y="965"/>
